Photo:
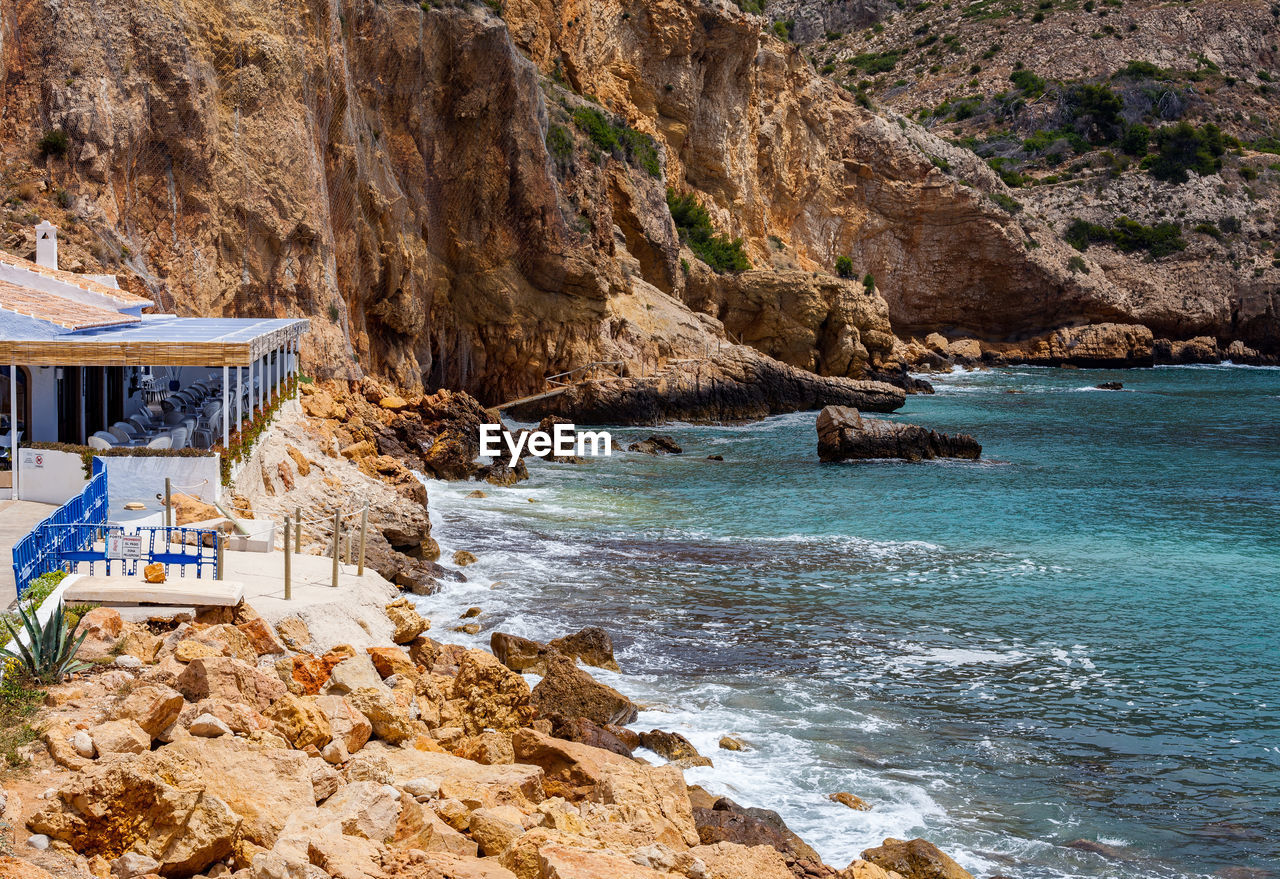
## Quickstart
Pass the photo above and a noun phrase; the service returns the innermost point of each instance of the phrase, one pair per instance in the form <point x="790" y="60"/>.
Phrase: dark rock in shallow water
<point x="915" y="859"/>
<point x="583" y="731"/>
<point x="591" y="646"/>
<point x="673" y="747"/>
<point x="1110" y="386"/>
<point x="1100" y="848"/>
<point x="726" y="821"/>
<point x="843" y="435"/>
<point x="715" y="457"/>
<point x="519" y="654"/>
<point x="568" y="690"/>
<point x="657" y="445"/>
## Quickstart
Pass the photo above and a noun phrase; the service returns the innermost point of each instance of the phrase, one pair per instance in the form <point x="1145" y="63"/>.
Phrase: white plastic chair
<point x="178" y="438"/>
<point x="160" y="442"/>
<point x="97" y="442"/>
<point x="106" y="437"/>
<point x="201" y="438"/>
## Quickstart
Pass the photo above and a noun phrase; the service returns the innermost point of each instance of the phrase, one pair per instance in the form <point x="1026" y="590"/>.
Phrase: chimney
<point x="47" y="245"/>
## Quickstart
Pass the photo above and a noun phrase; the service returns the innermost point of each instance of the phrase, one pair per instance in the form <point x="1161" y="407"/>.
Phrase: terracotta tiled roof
<point x="66" y="313"/>
<point x="124" y="297"/>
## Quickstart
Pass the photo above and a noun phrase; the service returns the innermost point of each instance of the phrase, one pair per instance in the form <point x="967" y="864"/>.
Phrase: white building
<point x="80" y="363"/>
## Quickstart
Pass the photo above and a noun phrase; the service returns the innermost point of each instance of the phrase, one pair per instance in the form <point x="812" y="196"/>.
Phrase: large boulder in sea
<point x="915" y="859"/>
<point x="844" y="435"/>
<point x="590" y="646"/>
<point x="726" y="821"/>
<point x="568" y="690"/>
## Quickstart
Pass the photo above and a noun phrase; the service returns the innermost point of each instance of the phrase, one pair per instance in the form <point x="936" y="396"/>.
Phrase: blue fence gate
<point x="41" y="551"/>
<point x="77" y="533"/>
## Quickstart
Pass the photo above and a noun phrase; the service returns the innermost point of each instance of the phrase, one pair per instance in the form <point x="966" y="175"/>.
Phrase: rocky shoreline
<point x="342" y="741"/>
<point x="230" y="744"/>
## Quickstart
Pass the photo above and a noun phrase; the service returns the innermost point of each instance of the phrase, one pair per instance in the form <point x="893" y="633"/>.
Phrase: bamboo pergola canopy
<point x="156" y="341"/>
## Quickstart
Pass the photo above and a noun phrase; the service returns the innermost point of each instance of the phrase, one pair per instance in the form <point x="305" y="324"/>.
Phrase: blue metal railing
<point x="167" y="545"/>
<point x="42" y="550"/>
<point x="77" y="532"/>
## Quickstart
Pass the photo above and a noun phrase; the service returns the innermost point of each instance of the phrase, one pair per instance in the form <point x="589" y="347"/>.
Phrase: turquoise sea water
<point x="1073" y="639"/>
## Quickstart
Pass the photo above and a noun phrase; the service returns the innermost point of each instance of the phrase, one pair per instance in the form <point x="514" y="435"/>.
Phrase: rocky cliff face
<point x="428" y="185"/>
<point x="1008" y="83"/>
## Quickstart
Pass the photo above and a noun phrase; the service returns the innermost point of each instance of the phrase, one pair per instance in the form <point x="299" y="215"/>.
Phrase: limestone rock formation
<point x="844" y="435"/>
<point x="413" y="179"/>
<point x="736" y="384"/>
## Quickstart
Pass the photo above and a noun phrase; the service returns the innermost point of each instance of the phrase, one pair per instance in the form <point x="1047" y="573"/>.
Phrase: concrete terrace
<point x="17" y="518"/>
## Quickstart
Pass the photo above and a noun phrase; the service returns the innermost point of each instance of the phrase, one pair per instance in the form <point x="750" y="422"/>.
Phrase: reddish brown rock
<point x="590" y="646"/>
<point x="570" y="691"/>
<point x="392" y="661"/>
<point x="226" y="678"/>
<point x="915" y="859"/>
<point x="261" y="637"/>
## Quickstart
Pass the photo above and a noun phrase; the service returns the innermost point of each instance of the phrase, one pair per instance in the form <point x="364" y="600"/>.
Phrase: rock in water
<point x="590" y="646"/>
<point x="674" y="747"/>
<point x="736" y="383"/>
<point x="657" y="445"/>
<point x="1110" y="386"/>
<point x="519" y="654"/>
<point x="844" y="435"/>
<point x="726" y="821"/>
<point x="916" y="859"/>
<point x="844" y="798"/>
<point x="568" y="690"/>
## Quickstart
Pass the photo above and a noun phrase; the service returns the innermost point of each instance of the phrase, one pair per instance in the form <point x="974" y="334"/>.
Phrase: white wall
<point x="49" y="477"/>
<point x="141" y="477"/>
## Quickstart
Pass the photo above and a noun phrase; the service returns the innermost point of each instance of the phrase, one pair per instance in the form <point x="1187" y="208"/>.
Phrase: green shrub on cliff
<point x="54" y="143"/>
<point x="559" y="143"/>
<point x="720" y="252"/>
<point x="1127" y="236"/>
<point x="615" y="138"/>
<point x="1184" y="147"/>
<point x="597" y="128"/>
<point x="844" y="267"/>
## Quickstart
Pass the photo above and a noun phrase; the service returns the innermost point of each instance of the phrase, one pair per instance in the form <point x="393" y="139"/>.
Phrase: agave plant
<point x="49" y="655"/>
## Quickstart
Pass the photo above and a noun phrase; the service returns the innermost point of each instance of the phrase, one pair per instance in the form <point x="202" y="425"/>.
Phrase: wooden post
<point x="222" y="543"/>
<point x="288" y="566"/>
<point x="364" y="532"/>
<point x="337" y="528"/>
<point x="350" y="538"/>
<point x="297" y="529"/>
<point x="168" y="506"/>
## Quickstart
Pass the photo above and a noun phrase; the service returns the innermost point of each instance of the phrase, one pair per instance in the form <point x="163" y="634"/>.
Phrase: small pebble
<point x="128" y="662"/>
<point x="39" y="841"/>
<point x="83" y="744"/>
